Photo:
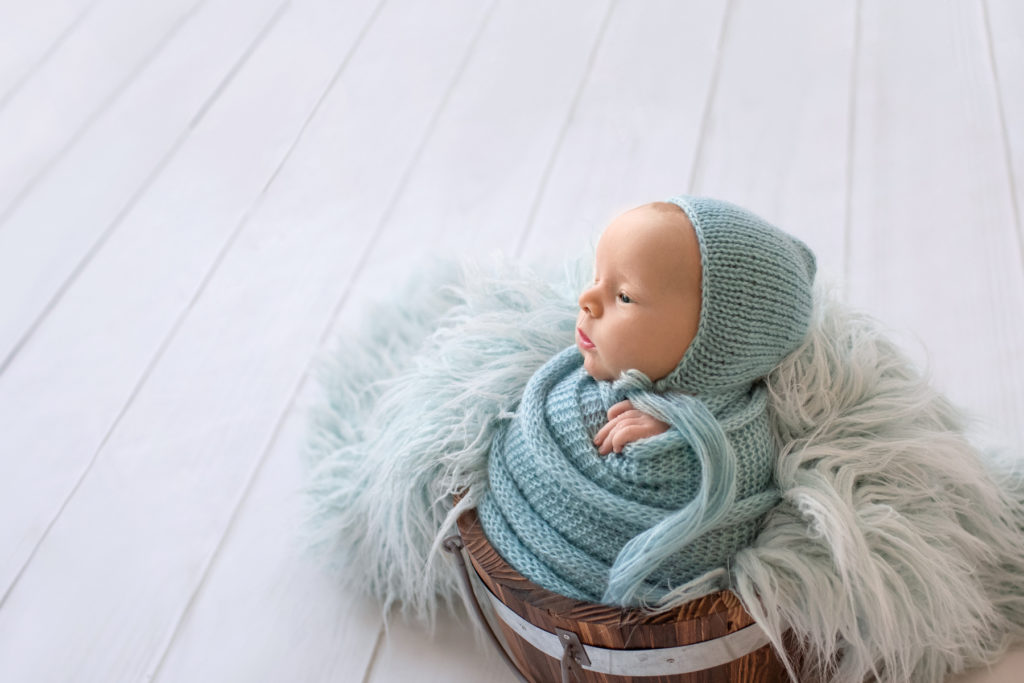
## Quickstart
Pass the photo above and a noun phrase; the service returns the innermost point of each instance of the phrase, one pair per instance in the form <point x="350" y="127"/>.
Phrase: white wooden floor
<point x="197" y="195"/>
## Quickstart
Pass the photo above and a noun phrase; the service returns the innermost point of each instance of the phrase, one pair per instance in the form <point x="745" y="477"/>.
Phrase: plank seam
<point x="360" y="265"/>
<point x="290" y="406"/>
<point x="1004" y="130"/>
<point x="93" y="116"/>
<point x="137" y="195"/>
<point x="566" y="125"/>
<point x="851" y="139"/>
<point x="237" y="66"/>
<point x="693" y="182"/>
<point x="211" y="560"/>
<point x="155" y="360"/>
<point x="47" y="54"/>
<point x="373" y="656"/>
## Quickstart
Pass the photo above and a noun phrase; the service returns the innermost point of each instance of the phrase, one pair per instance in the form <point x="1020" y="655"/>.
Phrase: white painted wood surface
<point x="113" y="164"/>
<point x="635" y="127"/>
<point x="935" y="242"/>
<point x="31" y="32"/>
<point x="196" y="197"/>
<point x="62" y="96"/>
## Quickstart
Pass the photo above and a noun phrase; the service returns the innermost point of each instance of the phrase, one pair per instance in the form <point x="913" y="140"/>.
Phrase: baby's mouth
<point x="584" y="341"/>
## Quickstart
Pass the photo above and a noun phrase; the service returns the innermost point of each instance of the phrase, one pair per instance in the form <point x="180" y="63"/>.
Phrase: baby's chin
<point x="596" y="370"/>
<point x="603" y="374"/>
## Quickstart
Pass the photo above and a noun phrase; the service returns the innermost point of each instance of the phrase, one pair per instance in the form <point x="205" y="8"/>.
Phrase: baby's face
<point x="643" y="309"/>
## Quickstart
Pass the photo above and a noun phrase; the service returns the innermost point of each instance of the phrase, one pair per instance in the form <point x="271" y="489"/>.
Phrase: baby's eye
<point x="624" y="298"/>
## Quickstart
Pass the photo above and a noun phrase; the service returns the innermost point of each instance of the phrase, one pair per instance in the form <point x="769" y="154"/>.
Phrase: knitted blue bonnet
<point x="756" y="298"/>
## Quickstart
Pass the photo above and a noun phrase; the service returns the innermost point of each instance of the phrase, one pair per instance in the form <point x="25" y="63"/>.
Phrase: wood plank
<point x="934" y="247"/>
<point x="1006" y="36"/>
<point x="229" y="371"/>
<point x="1005" y="24"/>
<point x="280" y="635"/>
<point x="636" y="128"/>
<point x="776" y="136"/>
<point x="482" y="170"/>
<point x="30" y="33"/>
<point x="85" y="362"/>
<point x="97" y="61"/>
<point x="64" y="219"/>
<point x="267" y="611"/>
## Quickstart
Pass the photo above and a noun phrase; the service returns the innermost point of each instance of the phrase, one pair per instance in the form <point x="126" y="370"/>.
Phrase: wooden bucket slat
<point x="711" y="616"/>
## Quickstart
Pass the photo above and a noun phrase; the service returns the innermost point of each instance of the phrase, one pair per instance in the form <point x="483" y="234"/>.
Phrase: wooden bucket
<point x="708" y="640"/>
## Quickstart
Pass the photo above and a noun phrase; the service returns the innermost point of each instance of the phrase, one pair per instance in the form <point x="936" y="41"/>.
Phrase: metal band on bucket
<point x="662" y="661"/>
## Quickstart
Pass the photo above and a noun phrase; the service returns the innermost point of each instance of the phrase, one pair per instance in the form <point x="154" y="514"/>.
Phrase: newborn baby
<point x="640" y="460"/>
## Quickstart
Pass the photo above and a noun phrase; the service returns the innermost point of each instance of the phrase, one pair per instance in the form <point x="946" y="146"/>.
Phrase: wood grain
<point x="705" y="618"/>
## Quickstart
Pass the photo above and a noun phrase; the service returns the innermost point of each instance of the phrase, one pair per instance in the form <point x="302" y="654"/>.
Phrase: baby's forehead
<point x="653" y="243"/>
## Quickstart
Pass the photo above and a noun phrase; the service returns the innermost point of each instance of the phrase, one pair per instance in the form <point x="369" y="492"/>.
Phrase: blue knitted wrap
<point x="630" y="528"/>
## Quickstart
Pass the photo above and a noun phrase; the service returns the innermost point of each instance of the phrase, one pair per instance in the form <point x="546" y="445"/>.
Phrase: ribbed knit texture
<point x="631" y="528"/>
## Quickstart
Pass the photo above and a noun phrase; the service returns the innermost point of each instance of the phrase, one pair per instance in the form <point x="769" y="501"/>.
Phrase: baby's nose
<point x="589" y="303"/>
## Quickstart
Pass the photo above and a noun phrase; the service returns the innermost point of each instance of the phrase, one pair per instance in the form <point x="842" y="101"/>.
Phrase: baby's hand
<point x="625" y="425"/>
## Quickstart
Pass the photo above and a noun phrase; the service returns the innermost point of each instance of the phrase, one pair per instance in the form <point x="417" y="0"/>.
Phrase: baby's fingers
<point x="627" y="435"/>
<point x="603" y="440"/>
<point x="618" y="409"/>
<point x="606" y="438"/>
<point x="614" y="414"/>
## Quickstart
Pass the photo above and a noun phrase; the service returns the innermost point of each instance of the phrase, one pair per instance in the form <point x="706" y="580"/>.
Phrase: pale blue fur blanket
<point x="896" y="550"/>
